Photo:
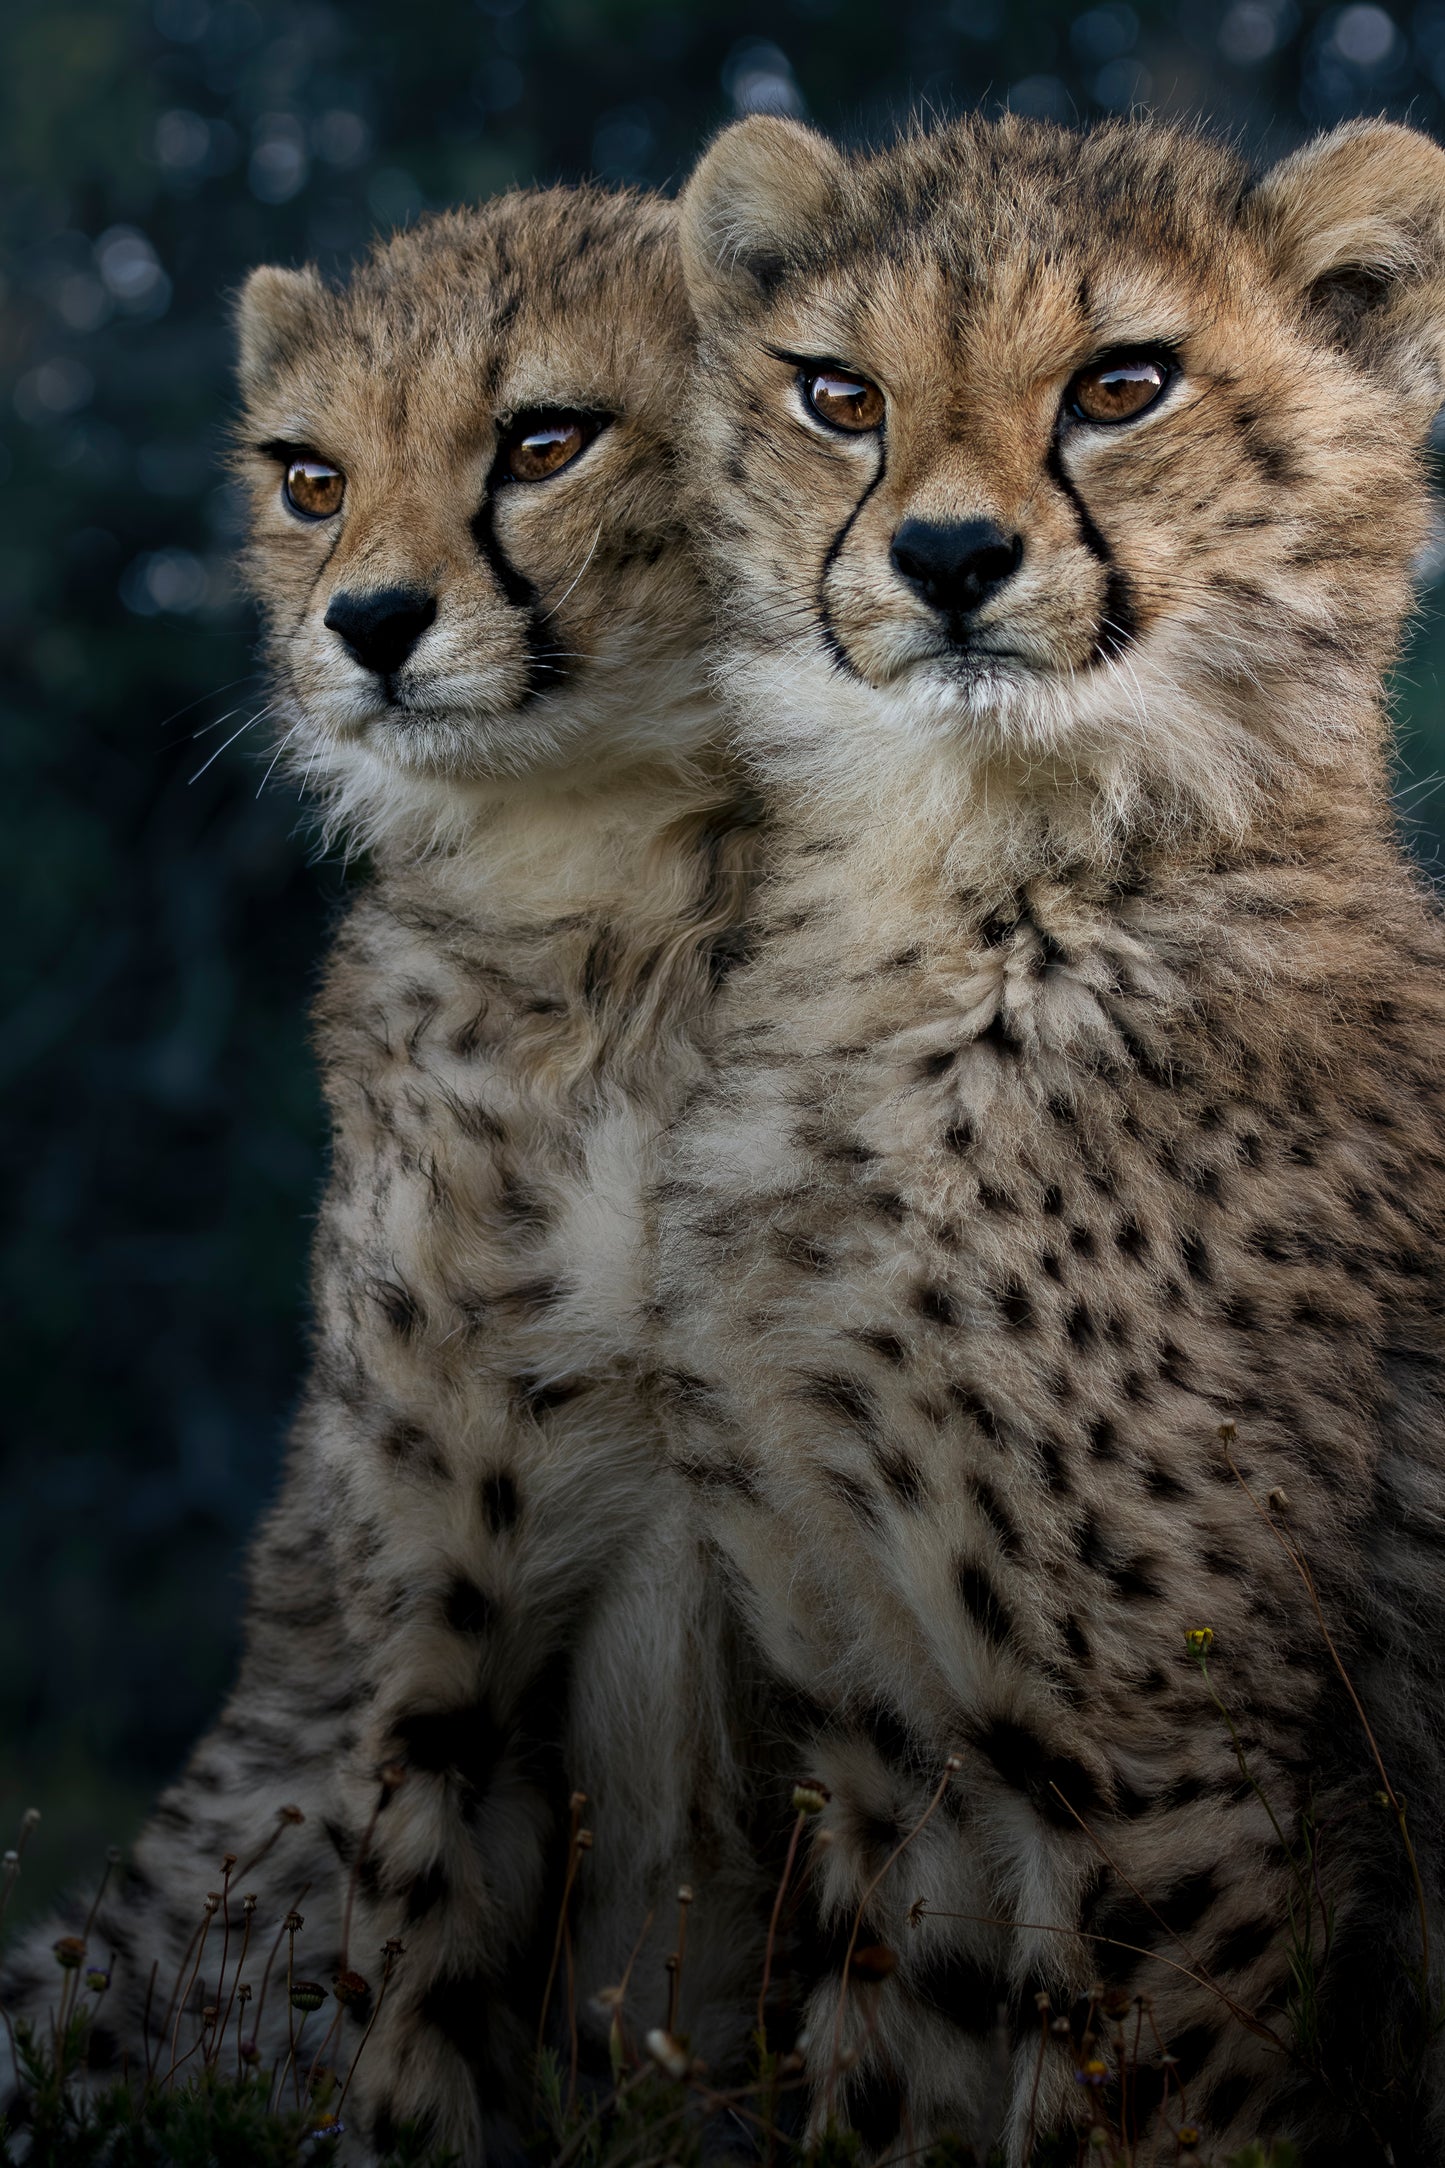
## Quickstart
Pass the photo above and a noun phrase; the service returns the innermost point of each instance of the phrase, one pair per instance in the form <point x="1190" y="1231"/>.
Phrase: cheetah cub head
<point x="1077" y="459"/>
<point x="463" y="530"/>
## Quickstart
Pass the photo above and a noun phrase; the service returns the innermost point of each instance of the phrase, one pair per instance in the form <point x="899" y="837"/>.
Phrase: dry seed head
<point x="243" y="1992"/>
<point x="684" y="1895"/>
<point x="289" y="1814"/>
<point x="669" y="2054"/>
<point x="349" y="1988"/>
<point x="212" y="1904"/>
<point x="248" y="1903"/>
<point x="577" y="1802"/>
<point x="1060" y="2026"/>
<point x="209" y="2016"/>
<point x="1278" y="1501"/>
<point x="29" y="1820"/>
<point x="1042" y="2001"/>
<point x="584" y="1840"/>
<point x="954" y="1764"/>
<point x="293" y="1923"/>
<point x="69" y="1953"/>
<point x="228" y="1861"/>
<point x="1227" y="1433"/>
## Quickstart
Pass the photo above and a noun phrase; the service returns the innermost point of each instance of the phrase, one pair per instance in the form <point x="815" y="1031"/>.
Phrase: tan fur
<point x="1082" y="1096"/>
<point x="479" y="1571"/>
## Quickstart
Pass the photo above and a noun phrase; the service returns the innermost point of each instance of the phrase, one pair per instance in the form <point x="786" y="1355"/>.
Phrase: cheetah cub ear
<point x="278" y="313"/>
<point x="1355" y="224"/>
<point x="755" y="200"/>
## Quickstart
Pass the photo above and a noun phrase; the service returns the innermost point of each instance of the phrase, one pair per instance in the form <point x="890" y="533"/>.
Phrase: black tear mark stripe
<point x="831" y="641"/>
<point x="545" y="668"/>
<point x="1119" y="619"/>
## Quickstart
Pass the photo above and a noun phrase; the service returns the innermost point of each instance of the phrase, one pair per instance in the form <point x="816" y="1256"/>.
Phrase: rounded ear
<point x="276" y="313"/>
<point x="1355" y="224"/>
<point x="753" y="203"/>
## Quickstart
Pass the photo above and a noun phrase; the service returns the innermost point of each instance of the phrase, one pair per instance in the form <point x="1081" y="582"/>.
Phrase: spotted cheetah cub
<point x="1052" y="1272"/>
<point x="484" y="633"/>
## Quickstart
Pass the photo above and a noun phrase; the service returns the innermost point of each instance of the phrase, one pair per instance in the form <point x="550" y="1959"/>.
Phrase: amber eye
<point x="542" y="444"/>
<point x="1118" y="389"/>
<point x="314" y="489"/>
<point x="844" y="401"/>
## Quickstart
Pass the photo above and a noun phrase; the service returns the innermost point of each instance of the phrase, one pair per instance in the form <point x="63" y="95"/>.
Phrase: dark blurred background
<point x="162" y="1142"/>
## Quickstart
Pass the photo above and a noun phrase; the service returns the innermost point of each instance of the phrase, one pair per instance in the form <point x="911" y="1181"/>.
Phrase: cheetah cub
<point x="484" y="633"/>
<point x="1052" y="1271"/>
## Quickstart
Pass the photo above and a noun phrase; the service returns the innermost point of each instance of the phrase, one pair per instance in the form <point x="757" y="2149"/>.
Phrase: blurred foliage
<point x="162" y="1143"/>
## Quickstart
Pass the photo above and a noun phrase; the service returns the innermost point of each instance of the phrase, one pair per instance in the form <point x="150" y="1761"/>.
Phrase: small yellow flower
<point x="1189" y="2137"/>
<point x="1199" y="1640"/>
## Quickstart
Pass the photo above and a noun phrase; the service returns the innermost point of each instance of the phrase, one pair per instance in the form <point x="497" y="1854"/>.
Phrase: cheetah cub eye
<point x="1119" y="388"/>
<point x="539" y="445"/>
<point x="841" y="399"/>
<point x="312" y="487"/>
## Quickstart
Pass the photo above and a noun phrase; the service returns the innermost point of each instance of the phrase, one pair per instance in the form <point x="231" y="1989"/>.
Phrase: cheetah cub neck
<point x="1064" y="488"/>
<point x="483" y="625"/>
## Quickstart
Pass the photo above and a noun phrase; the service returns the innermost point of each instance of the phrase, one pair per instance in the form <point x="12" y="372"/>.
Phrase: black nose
<point x="955" y="565"/>
<point x="381" y="628"/>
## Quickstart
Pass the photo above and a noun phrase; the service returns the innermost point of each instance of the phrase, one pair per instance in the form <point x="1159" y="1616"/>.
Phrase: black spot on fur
<point x="1224" y="2101"/>
<point x="1015" y="1306"/>
<point x="958" y="1137"/>
<point x="937" y="1064"/>
<point x="886" y="1345"/>
<point x="1027" y="1764"/>
<point x="902" y="1477"/>
<point x="853" y="1494"/>
<point x="464" y="1743"/>
<point x="425" y="1892"/>
<point x="500" y="1503"/>
<point x="539" y="1396"/>
<point x="1103" y="1438"/>
<point x="873" y="2106"/>
<point x="936" y="1304"/>
<point x="843" y="1397"/>
<point x="992" y="1507"/>
<point x="970" y="1402"/>
<point x="400" y="1308"/>
<point x="466" y="1608"/>
<point x="983" y="1604"/>
<point x="967" y="1994"/>
<point x="459" y="2005"/>
<point x="407" y="1445"/>
<point x="998" y="1035"/>
<point x="1244" y="1946"/>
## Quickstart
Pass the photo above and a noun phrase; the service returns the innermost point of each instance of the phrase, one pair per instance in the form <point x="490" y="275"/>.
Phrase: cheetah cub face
<point x="1079" y="452"/>
<point x="463" y="533"/>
